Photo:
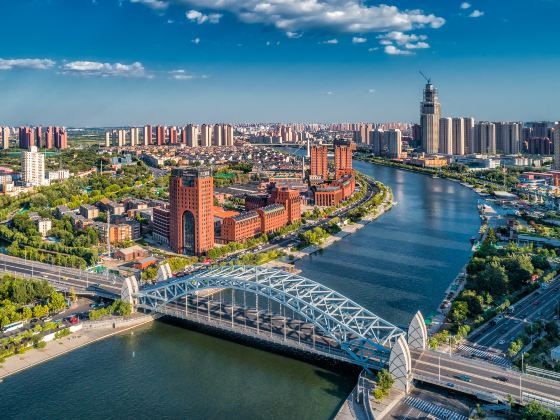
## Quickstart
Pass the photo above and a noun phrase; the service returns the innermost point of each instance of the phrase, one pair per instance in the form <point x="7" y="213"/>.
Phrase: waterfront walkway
<point x="55" y="348"/>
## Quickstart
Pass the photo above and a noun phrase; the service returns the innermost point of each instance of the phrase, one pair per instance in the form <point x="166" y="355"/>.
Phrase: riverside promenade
<point x="89" y="333"/>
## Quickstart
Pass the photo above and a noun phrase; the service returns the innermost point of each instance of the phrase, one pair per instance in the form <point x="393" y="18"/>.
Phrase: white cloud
<point x="26" y="63"/>
<point x="343" y="16"/>
<point x="333" y="41"/>
<point x="358" y="40"/>
<point x="400" y="38"/>
<point x="476" y="13"/>
<point x="95" y="68"/>
<point x="395" y="39"/>
<point x="200" y="18"/>
<point x="392" y="50"/>
<point x="195" y="40"/>
<point x="183" y="75"/>
<point x="372" y="49"/>
<point x="465" y="5"/>
<point x="372" y="91"/>
<point x="330" y="92"/>
<point x="418" y="45"/>
<point x="293" y="35"/>
<point x="154" y="4"/>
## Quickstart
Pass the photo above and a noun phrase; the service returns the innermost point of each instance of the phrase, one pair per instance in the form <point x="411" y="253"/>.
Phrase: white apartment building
<point x="33" y="167"/>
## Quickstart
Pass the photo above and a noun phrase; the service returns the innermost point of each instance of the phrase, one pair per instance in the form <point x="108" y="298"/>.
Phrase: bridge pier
<point x="417" y="333"/>
<point x="400" y="365"/>
<point x="129" y="288"/>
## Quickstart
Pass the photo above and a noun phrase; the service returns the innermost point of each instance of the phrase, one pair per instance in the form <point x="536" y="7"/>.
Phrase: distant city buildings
<point x="51" y="137"/>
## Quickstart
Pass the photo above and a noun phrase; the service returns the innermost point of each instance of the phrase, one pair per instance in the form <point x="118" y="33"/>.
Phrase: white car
<point x="502" y="342"/>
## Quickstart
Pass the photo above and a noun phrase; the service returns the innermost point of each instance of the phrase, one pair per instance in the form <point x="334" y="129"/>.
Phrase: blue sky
<point x="112" y="62"/>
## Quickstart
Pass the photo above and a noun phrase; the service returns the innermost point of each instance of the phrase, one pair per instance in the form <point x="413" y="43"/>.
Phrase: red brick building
<point x="342" y="158"/>
<point x="241" y="227"/>
<point x="319" y="162"/>
<point x="273" y="217"/>
<point x="291" y="201"/>
<point x="255" y="201"/>
<point x="191" y="218"/>
<point x="161" y="224"/>
<point x="347" y="184"/>
<point x="328" y="195"/>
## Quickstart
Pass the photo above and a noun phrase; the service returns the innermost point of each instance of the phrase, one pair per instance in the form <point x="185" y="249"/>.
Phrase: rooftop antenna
<point x="428" y="79"/>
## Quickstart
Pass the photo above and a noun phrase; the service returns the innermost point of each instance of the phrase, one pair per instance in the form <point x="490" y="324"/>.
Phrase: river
<point x="394" y="266"/>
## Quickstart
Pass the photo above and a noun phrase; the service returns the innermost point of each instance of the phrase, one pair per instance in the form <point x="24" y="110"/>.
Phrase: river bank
<point x="346" y="230"/>
<point x="88" y="334"/>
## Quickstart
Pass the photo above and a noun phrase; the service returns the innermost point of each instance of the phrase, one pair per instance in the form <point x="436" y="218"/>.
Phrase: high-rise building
<point x="556" y="135"/>
<point x="192" y="135"/>
<point x="160" y="135"/>
<point x="49" y="138"/>
<point x="33" y="167"/>
<point x="60" y="138"/>
<point x="173" y="138"/>
<point x="445" y="136"/>
<point x="26" y="137"/>
<point x="430" y="111"/>
<point x="147" y="135"/>
<point x="205" y="136"/>
<point x="363" y="135"/>
<point x="5" y="137"/>
<point x="458" y="135"/>
<point x="377" y="140"/>
<point x="468" y="124"/>
<point x="39" y="137"/>
<point x="394" y="142"/>
<point x="227" y="135"/>
<point x="134" y="136"/>
<point x="319" y="162"/>
<point x="484" y="138"/>
<point x="121" y="134"/>
<point x="191" y="218"/>
<point x="508" y="137"/>
<point x="217" y="135"/>
<point x="342" y="158"/>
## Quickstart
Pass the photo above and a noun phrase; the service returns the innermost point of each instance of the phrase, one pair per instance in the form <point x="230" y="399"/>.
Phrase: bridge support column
<point x="163" y="272"/>
<point x="129" y="288"/>
<point x="400" y="365"/>
<point x="417" y="333"/>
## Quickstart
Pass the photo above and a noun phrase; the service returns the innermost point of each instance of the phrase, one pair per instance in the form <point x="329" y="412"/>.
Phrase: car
<point x="535" y="303"/>
<point x="500" y="378"/>
<point x="450" y="384"/>
<point x="502" y="342"/>
<point x="464" y="378"/>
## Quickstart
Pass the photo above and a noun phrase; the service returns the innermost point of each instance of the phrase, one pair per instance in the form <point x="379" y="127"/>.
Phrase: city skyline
<point x="123" y="62"/>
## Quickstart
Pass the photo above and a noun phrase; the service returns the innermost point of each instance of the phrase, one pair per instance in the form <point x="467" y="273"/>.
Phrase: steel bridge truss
<point x="365" y="337"/>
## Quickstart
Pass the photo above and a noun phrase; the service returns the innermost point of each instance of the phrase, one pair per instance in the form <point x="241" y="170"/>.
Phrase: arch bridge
<point x="364" y="338"/>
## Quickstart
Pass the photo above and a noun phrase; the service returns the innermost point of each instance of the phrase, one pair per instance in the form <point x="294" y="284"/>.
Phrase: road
<point x="63" y="277"/>
<point x="540" y="304"/>
<point x="484" y="376"/>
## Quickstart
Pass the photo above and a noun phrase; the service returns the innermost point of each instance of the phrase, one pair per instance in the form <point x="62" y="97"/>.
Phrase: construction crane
<point x="428" y="79"/>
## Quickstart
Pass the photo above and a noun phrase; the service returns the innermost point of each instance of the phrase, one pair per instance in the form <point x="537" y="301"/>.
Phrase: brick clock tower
<point x="191" y="219"/>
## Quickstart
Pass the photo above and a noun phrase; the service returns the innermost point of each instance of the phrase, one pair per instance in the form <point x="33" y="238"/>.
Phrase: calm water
<point x="406" y="259"/>
<point x="402" y="262"/>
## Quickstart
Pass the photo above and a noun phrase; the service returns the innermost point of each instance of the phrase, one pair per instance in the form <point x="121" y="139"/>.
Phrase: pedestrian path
<point x="433" y="409"/>
<point x="485" y="355"/>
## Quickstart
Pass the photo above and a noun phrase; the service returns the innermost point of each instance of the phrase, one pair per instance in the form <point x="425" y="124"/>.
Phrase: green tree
<point x="536" y="411"/>
<point x="385" y="382"/>
<point x="459" y="311"/>
<point x="519" y="269"/>
<point x="57" y="302"/>
<point x="493" y="279"/>
<point x="40" y="311"/>
<point x="515" y="347"/>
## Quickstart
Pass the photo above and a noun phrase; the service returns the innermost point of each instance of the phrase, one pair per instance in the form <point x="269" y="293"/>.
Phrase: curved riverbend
<point x="394" y="266"/>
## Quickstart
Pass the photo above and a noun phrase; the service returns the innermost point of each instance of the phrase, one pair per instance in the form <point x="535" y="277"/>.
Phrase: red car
<point x="73" y="320"/>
